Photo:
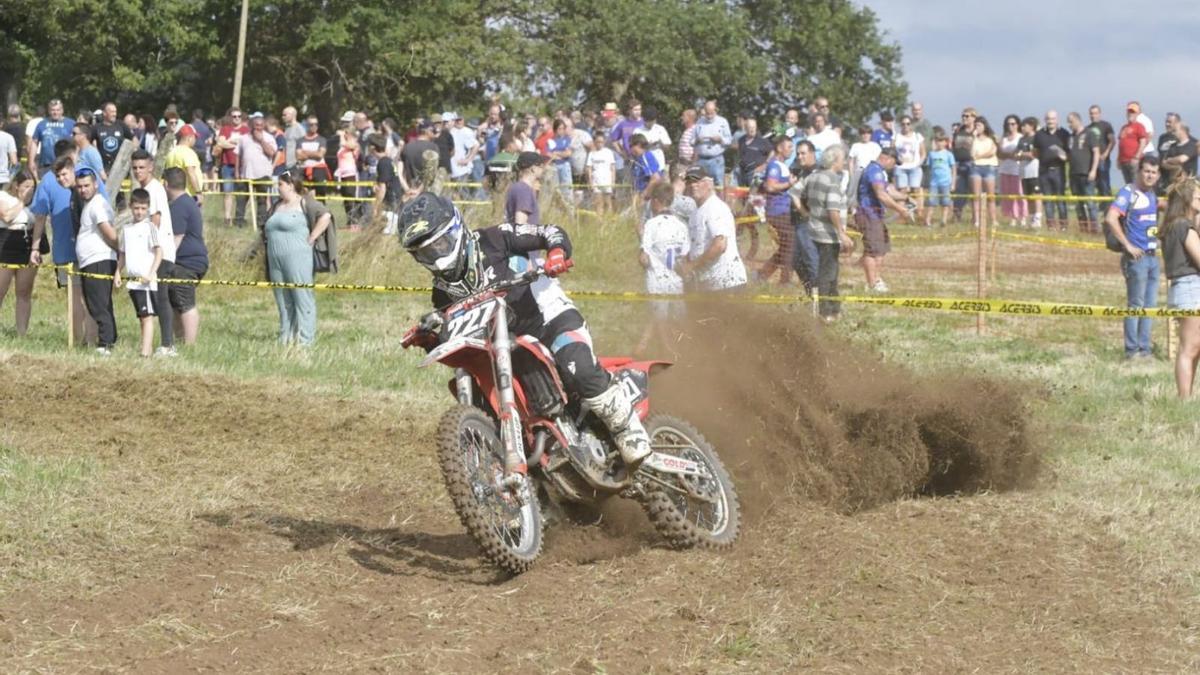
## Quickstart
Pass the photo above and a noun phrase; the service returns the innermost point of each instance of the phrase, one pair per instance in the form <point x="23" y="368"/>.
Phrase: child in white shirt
<point x="601" y="168"/>
<point x="139" y="255"/>
<point x="664" y="247"/>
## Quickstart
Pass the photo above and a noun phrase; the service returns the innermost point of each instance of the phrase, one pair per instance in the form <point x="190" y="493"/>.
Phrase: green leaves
<point x="410" y="58"/>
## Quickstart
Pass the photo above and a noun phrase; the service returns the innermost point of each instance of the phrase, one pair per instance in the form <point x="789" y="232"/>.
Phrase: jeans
<point x="715" y="166"/>
<point x="805" y="260"/>
<point x="260" y="201"/>
<point x="97" y="297"/>
<point x="1141" y="291"/>
<point x="827" y="278"/>
<point x="1084" y="211"/>
<point x="478" y="171"/>
<point x="962" y="186"/>
<point x="563" y="170"/>
<point x="1104" y="177"/>
<point x="1052" y="183"/>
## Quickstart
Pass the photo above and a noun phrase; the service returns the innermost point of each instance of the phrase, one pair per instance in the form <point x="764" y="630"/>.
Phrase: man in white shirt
<point x="714" y="256"/>
<point x="256" y="161"/>
<point x="96" y="252"/>
<point x="142" y="168"/>
<point x="466" y="146"/>
<point x="656" y="135"/>
<point x="823" y="135"/>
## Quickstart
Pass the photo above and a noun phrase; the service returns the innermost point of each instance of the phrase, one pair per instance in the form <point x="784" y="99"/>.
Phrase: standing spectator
<point x="293" y="131"/>
<point x="664" y="248"/>
<point x="226" y="144"/>
<point x="521" y="202"/>
<point x="601" y="173"/>
<point x="941" y="177"/>
<point x="183" y="156"/>
<point x="466" y="149"/>
<point x="861" y="154"/>
<point x="1050" y="145"/>
<point x="9" y="158"/>
<point x="110" y="133"/>
<point x="875" y="194"/>
<point x="142" y="168"/>
<point x="444" y="140"/>
<point x="256" y="162"/>
<point x="1179" y="157"/>
<point x="624" y="130"/>
<point x="1133" y="142"/>
<point x="777" y="181"/>
<point x="1181" y="263"/>
<point x="559" y="152"/>
<point x="1013" y="207"/>
<point x="310" y="153"/>
<point x="984" y="161"/>
<point x="687" y="137"/>
<point x="346" y="168"/>
<point x="387" y="184"/>
<point x="910" y="152"/>
<point x="359" y="212"/>
<point x="820" y="105"/>
<point x="54" y="197"/>
<point x="86" y="154"/>
<point x="712" y="234"/>
<point x="191" y="254"/>
<point x="1109" y="138"/>
<point x="886" y="131"/>
<point x="581" y="143"/>
<point x="656" y="135"/>
<point x="1147" y="124"/>
<point x="793" y="130"/>
<point x="712" y="136"/>
<point x="17" y="244"/>
<point x="1030" y="168"/>
<point x="48" y="132"/>
<point x="962" y="142"/>
<point x="95" y="248"/>
<point x="413" y="158"/>
<point x="753" y="151"/>
<point x="1133" y="219"/>
<point x="204" y="142"/>
<point x="495" y="128"/>
<point x="292" y="228"/>
<point x="826" y="203"/>
<point x="15" y="127"/>
<point x="150" y="132"/>
<point x="922" y="126"/>
<point x="1085" y="163"/>
<point x="138" y="257"/>
<point x="805" y="257"/>
<point x="822" y="135"/>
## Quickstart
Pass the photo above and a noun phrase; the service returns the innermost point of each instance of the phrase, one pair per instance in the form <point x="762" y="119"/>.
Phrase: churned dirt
<point x="261" y="527"/>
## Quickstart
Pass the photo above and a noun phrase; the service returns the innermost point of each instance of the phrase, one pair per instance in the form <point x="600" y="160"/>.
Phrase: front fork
<point x="510" y="421"/>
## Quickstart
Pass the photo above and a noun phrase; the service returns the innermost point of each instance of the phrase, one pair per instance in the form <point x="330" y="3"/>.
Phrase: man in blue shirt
<point x="559" y="149"/>
<point x="712" y="136"/>
<point x="1133" y="221"/>
<point x="883" y="135"/>
<point x="645" y="168"/>
<point x="48" y="132"/>
<point x="875" y="195"/>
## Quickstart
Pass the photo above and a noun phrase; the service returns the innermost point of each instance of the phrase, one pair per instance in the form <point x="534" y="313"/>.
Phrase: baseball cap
<point x="187" y="131"/>
<point x="526" y="160"/>
<point x="695" y="173"/>
<point x="255" y="115"/>
<point x="449" y="116"/>
<point x="347" y="117"/>
<point x="1133" y="107"/>
<point x="436" y="118"/>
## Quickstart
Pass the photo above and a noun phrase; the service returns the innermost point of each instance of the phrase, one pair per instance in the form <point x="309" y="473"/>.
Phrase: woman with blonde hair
<point x="984" y="161"/>
<point x="1181" y="259"/>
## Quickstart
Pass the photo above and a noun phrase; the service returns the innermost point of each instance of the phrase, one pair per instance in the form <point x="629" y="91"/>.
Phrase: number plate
<point x="471" y="321"/>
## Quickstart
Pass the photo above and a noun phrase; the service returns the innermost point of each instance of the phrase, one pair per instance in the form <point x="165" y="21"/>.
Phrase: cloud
<point x="1026" y="56"/>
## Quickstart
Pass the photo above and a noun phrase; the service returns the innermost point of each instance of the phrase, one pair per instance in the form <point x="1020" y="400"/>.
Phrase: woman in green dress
<point x="292" y="226"/>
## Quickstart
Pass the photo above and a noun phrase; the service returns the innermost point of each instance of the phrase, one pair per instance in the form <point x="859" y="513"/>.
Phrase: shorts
<point x="939" y="195"/>
<point x="143" y="302"/>
<point x="1184" y="292"/>
<point x="602" y="189"/>
<point x="227" y="174"/>
<point x="983" y="172"/>
<point x="1031" y="186"/>
<point x="183" y="296"/>
<point x="668" y="310"/>
<point x="16" y="246"/>
<point x="908" y="178"/>
<point x="877" y="242"/>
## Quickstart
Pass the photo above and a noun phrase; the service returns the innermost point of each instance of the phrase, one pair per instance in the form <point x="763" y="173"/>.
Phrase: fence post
<point x="253" y="205"/>
<point x="981" y="280"/>
<point x="70" y="305"/>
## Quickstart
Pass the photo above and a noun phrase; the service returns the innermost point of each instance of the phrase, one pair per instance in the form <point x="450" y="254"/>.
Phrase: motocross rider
<point x="464" y="262"/>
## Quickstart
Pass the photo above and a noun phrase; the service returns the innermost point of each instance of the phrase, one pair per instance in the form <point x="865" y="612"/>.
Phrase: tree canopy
<point x="408" y="58"/>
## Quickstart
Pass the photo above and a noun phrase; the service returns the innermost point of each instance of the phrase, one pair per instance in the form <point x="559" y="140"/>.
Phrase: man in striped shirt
<point x="687" y="139"/>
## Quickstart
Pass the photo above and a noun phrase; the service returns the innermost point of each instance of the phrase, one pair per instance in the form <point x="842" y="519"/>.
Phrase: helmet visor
<point x="439" y="252"/>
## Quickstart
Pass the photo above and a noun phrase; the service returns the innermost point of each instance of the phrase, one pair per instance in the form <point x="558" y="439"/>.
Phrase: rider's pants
<point x="568" y="339"/>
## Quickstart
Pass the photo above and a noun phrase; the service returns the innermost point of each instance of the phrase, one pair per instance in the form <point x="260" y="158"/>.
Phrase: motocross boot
<point x="615" y="411"/>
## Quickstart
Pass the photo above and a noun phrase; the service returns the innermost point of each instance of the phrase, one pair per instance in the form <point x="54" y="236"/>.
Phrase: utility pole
<point x="241" y="55"/>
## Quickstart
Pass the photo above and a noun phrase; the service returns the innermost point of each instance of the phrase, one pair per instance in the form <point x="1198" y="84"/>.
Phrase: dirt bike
<point x="510" y="398"/>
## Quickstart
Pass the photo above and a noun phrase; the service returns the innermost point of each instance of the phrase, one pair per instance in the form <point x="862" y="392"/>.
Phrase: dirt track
<point x="289" y="532"/>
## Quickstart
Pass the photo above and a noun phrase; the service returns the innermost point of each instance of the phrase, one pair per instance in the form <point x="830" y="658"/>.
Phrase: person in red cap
<point x="183" y="156"/>
<point x="1131" y="142"/>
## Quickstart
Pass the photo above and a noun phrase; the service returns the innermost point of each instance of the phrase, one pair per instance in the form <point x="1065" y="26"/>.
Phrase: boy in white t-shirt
<point x="601" y="167"/>
<point x="664" y="249"/>
<point x="138" y="258"/>
<point x="96" y="257"/>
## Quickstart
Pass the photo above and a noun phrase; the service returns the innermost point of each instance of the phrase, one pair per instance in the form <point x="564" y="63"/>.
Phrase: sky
<point x="1026" y="56"/>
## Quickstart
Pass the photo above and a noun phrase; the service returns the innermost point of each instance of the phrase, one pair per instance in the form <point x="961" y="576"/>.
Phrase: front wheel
<point x="691" y="512"/>
<point x="507" y="526"/>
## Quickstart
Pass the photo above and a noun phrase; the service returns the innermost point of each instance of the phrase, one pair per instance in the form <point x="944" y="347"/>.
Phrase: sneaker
<point x="166" y="352"/>
<point x="103" y="351"/>
<point x="880" y="287"/>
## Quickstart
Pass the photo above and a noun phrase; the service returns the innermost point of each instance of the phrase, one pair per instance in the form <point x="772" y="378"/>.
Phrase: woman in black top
<point x="1181" y="259"/>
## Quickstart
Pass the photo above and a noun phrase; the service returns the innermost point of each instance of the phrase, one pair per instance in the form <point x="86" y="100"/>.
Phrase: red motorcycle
<point x="515" y="443"/>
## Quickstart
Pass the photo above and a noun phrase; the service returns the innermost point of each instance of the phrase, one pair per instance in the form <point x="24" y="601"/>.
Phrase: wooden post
<point x="70" y="306"/>
<point x="253" y="205"/>
<point x="981" y="280"/>
<point x="241" y="55"/>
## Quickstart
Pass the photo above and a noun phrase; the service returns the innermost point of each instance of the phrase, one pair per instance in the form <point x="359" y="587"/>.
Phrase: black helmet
<point x="432" y="230"/>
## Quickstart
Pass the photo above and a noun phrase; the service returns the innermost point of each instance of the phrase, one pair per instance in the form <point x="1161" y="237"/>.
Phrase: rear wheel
<point x="691" y="512"/>
<point x="507" y="526"/>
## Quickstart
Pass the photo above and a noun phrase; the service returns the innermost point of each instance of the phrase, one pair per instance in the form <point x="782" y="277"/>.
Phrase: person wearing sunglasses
<point x="233" y="127"/>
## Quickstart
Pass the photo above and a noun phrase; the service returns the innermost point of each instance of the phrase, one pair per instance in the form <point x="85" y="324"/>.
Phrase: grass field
<point x="250" y="507"/>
